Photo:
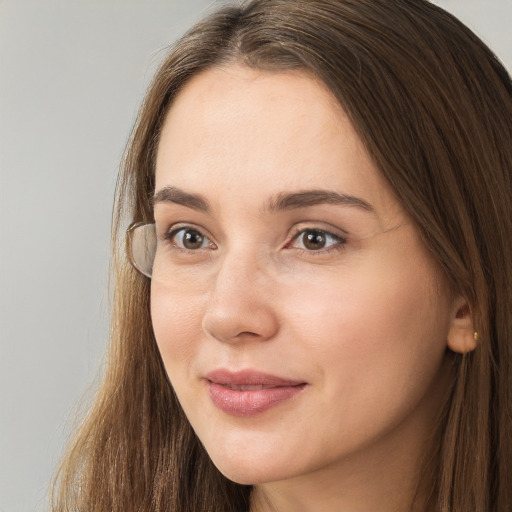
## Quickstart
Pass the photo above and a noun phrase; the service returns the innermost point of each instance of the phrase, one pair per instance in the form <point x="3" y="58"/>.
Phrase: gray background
<point x="72" y="74"/>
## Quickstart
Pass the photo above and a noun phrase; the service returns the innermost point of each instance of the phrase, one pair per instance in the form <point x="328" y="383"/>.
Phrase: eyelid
<point x="318" y="226"/>
<point x="170" y="232"/>
<point x="336" y="233"/>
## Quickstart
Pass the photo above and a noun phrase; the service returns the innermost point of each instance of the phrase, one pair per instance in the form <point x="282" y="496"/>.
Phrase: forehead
<point x="264" y="132"/>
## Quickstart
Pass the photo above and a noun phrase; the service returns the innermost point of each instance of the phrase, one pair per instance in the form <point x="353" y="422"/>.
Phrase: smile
<point x="249" y="392"/>
<point x="247" y="387"/>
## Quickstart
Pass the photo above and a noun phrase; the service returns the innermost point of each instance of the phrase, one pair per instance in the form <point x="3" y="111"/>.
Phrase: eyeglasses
<point x="141" y="246"/>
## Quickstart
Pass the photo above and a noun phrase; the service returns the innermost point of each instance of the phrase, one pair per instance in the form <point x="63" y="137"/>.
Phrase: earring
<point x="475" y="336"/>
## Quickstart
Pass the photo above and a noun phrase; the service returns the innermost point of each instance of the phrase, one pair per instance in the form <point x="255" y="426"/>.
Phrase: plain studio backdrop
<point x="72" y="75"/>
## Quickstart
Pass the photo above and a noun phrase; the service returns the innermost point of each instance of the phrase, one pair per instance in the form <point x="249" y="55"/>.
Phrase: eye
<point x="189" y="238"/>
<point x="316" y="240"/>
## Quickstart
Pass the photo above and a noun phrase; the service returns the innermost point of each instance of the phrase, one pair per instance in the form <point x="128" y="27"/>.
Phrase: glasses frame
<point x="130" y="233"/>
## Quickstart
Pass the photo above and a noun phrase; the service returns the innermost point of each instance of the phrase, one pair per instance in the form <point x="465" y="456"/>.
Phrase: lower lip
<point x="250" y="402"/>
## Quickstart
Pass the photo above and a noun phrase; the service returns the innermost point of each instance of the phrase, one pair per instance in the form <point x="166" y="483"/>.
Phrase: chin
<point x="249" y="473"/>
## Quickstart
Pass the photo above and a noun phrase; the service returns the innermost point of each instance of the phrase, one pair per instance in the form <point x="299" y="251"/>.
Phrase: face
<point x="300" y="319"/>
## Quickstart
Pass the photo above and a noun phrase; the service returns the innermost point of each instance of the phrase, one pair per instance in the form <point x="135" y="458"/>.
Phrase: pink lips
<point x="249" y="392"/>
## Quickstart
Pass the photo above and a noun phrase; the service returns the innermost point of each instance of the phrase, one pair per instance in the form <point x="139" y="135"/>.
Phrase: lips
<point x="249" y="392"/>
<point x="246" y="387"/>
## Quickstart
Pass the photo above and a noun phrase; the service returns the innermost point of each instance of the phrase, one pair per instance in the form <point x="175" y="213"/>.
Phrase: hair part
<point x="433" y="107"/>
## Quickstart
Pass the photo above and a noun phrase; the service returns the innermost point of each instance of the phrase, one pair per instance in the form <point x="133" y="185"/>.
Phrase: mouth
<point x="249" y="392"/>
<point x="245" y="387"/>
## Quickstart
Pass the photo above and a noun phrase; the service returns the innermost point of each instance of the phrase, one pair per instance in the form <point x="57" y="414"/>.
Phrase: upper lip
<point x="249" y="377"/>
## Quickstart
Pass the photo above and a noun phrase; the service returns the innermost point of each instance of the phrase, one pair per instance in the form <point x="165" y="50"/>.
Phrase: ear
<point x="462" y="337"/>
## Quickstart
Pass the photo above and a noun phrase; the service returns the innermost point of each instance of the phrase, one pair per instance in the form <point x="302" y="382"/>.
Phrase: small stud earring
<point x="475" y="336"/>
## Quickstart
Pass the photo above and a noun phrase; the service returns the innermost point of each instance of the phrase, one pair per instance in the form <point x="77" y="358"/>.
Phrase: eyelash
<point x="338" y="245"/>
<point x="172" y="232"/>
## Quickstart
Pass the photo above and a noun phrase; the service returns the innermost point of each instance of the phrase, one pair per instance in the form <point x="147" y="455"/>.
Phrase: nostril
<point x="241" y="322"/>
<point x="240" y="307"/>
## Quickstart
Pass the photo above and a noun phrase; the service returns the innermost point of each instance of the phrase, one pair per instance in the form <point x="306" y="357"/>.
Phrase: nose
<point x="241" y="306"/>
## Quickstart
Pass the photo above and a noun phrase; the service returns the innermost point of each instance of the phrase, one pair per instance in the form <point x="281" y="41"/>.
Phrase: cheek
<point x="351" y="305"/>
<point x="176" y="319"/>
<point x="376" y="335"/>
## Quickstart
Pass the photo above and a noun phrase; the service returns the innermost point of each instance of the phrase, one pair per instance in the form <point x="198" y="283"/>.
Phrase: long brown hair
<point x="433" y="106"/>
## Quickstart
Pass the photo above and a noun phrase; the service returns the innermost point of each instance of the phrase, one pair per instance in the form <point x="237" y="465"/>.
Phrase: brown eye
<point x="190" y="239"/>
<point x="317" y="240"/>
<point x="313" y="240"/>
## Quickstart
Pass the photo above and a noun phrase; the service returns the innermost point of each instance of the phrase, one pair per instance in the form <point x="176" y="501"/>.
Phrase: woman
<point x="318" y="315"/>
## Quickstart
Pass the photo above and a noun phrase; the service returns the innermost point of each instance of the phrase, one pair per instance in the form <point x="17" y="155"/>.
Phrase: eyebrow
<point x="280" y="202"/>
<point x="178" y="196"/>
<point x="303" y="199"/>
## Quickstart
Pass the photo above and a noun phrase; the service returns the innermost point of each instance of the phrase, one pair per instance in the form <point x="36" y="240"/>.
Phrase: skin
<point x="364" y="321"/>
